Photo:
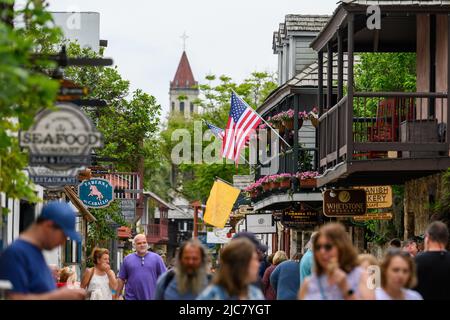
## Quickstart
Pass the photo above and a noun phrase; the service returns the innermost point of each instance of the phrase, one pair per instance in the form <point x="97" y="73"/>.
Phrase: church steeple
<point x="184" y="78"/>
<point x="183" y="89"/>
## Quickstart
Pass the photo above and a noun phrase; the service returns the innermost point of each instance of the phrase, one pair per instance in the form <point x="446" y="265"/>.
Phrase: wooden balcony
<point x="157" y="233"/>
<point x="383" y="138"/>
<point x="289" y="162"/>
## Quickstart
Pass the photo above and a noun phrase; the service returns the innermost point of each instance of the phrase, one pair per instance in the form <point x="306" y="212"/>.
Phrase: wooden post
<point x="340" y="66"/>
<point x="349" y="131"/>
<point x="447" y="136"/>
<point x="296" y="149"/>
<point x="320" y="91"/>
<point x="196" y="204"/>
<point x="329" y="75"/>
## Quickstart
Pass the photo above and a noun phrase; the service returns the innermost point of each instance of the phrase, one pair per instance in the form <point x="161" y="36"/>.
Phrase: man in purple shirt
<point x="140" y="271"/>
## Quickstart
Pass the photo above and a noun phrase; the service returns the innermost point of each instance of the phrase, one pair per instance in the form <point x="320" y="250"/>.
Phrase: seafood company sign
<point x="61" y="138"/>
<point x="96" y="193"/>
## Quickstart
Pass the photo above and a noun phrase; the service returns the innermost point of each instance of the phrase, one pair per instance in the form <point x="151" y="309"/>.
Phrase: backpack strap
<point x="170" y="275"/>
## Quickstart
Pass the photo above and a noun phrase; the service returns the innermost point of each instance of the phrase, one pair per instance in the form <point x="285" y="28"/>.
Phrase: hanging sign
<point x="260" y="223"/>
<point x="378" y="197"/>
<point x="128" y="209"/>
<point x="342" y="203"/>
<point x="219" y="235"/>
<point x="299" y="218"/>
<point x="96" y="193"/>
<point x="61" y="138"/>
<point x="50" y="178"/>
<point x="374" y="216"/>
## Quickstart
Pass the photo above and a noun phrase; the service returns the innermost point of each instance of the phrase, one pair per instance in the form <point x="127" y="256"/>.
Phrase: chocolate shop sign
<point x="61" y="138"/>
<point x="344" y="203"/>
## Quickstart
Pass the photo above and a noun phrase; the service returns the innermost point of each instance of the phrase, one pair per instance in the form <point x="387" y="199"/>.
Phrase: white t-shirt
<point x="409" y="294"/>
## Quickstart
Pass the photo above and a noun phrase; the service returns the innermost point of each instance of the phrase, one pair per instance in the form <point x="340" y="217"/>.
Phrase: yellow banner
<point x="220" y="203"/>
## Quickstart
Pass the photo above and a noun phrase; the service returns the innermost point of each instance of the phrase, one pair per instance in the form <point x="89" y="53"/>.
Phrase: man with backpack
<point x="189" y="276"/>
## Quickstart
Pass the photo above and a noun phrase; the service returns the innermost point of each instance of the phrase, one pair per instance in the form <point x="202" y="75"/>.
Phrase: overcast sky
<point x="232" y="37"/>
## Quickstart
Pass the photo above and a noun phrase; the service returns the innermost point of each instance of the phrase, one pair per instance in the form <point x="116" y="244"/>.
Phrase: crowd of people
<point x="329" y="269"/>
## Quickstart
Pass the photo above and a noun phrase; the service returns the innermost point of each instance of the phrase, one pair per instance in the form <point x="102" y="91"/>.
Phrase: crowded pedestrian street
<point x="251" y="152"/>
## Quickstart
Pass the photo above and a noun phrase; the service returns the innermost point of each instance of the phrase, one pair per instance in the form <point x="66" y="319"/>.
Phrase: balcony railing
<point x="157" y="232"/>
<point x="384" y="125"/>
<point x="306" y="161"/>
<point x="126" y="184"/>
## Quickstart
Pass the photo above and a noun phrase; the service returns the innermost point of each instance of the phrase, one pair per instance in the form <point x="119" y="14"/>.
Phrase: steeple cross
<point x="184" y="37"/>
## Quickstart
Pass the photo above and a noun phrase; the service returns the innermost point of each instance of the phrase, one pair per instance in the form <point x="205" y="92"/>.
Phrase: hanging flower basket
<point x="288" y="124"/>
<point x="274" y="185"/>
<point x="285" y="184"/>
<point x="266" y="186"/>
<point x="308" y="183"/>
<point x="314" y="117"/>
<point x="307" y="179"/>
<point x="285" y="180"/>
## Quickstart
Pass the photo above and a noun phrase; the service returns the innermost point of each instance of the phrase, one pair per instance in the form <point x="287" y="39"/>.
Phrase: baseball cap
<point x="251" y="236"/>
<point x="62" y="214"/>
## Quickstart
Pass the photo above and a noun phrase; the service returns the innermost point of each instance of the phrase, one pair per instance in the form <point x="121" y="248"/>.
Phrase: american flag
<point x="219" y="133"/>
<point x="241" y="121"/>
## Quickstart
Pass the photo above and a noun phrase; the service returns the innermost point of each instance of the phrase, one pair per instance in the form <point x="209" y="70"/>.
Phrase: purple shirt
<point x="141" y="274"/>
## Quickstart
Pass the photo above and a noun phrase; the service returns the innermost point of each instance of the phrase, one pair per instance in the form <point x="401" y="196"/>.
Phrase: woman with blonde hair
<point x="66" y="276"/>
<point x="238" y="269"/>
<point x="398" y="275"/>
<point x="100" y="280"/>
<point x="336" y="274"/>
<point x="268" y="290"/>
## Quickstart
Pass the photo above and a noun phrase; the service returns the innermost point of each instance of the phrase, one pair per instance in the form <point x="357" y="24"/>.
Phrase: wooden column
<point x="296" y="148"/>
<point x="340" y="66"/>
<point x="349" y="131"/>
<point x="329" y="75"/>
<point x="320" y="91"/>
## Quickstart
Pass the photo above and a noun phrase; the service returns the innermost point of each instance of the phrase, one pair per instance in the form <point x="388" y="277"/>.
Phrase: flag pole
<point x="224" y="181"/>
<point x="264" y="121"/>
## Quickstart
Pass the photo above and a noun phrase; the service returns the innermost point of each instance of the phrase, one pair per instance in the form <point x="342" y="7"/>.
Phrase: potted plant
<point x="274" y="183"/>
<point x="314" y="117"/>
<point x="287" y="119"/>
<point x="265" y="183"/>
<point x="307" y="179"/>
<point x="285" y="180"/>
<point x="252" y="190"/>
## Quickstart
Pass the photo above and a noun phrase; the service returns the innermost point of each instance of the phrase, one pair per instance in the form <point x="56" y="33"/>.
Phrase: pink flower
<point x="307" y="175"/>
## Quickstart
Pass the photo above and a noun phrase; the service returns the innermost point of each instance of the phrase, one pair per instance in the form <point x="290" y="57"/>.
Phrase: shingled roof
<point x="298" y="23"/>
<point x="184" y="78"/>
<point x="308" y="78"/>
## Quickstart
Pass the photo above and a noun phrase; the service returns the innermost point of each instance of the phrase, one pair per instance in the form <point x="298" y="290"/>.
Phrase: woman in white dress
<point x="100" y="281"/>
<point x="397" y="277"/>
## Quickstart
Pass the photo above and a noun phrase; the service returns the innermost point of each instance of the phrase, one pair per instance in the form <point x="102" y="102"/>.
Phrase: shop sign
<point x="96" y="193"/>
<point x="61" y="138"/>
<point x="299" y="218"/>
<point x="128" y="209"/>
<point x="260" y="223"/>
<point x="342" y="203"/>
<point x="378" y="197"/>
<point x="374" y="216"/>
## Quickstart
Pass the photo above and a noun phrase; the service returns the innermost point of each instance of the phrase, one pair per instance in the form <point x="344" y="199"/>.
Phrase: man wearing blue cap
<point x="23" y="263"/>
